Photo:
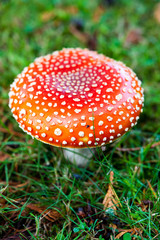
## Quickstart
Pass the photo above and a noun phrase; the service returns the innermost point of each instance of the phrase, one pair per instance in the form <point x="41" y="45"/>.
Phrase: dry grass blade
<point x="111" y="199"/>
<point x="119" y="235"/>
<point x="152" y="190"/>
<point x="15" y="184"/>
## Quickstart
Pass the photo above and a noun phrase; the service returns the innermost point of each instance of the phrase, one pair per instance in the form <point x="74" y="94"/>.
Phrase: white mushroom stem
<point x="79" y="156"/>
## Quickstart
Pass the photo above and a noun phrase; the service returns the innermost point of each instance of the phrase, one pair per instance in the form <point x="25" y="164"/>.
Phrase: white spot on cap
<point x="76" y="99"/>
<point x="57" y="131"/>
<point x="109" y="90"/>
<point x="30" y="121"/>
<point x="31" y="89"/>
<point x="77" y="110"/>
<point x="109" y="118"/>
<point x="91" y="118"/>
<point x="83" y="117"/>
<point x="73" y="139"/>
<point x="112" y="131"/>
<point x="98" y="91"/>
<point x="45" y="109"/>
<point x="101" y="132"/>
<point x="110" y="108"/>
<point x="81" y="134"/>
<point x="119" y="97"/>
<point x="131" y="119"/>
<point x="23" y="111"/>
<point x="48" y="119"/>
<point x="100" y="123"/>
<point x="121" y="112"/>
<point x="90" y="134"/>
<point x="28" y="104"/>
<point x="59" y="121"/>
<point x="43" y="134"/>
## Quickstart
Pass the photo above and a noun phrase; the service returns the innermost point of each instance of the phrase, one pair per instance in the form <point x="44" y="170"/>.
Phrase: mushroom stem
<point x="79" y="156"/>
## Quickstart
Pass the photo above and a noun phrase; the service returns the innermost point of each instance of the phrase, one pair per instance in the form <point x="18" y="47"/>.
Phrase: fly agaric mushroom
<point x="76" y="98"/>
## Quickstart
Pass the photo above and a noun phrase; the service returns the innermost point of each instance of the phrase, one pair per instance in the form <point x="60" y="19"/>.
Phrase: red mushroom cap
<point x="76" y="98"/>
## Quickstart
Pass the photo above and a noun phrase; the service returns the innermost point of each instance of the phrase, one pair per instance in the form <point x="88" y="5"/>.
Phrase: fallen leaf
<point x="47" y="15"/>
<point x="133" y="231"/>
<point x="72" y="10"/>
<point x="50" y="214"/>
<point x="134" y="36"/>
<point x="3" y="156"/>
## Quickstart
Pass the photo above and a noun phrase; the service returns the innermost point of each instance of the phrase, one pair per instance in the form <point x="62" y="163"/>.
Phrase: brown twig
<point x="137" y="148"/>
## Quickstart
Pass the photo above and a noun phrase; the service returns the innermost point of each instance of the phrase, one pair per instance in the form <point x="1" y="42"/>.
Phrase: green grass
<point x="34" y="177"/>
